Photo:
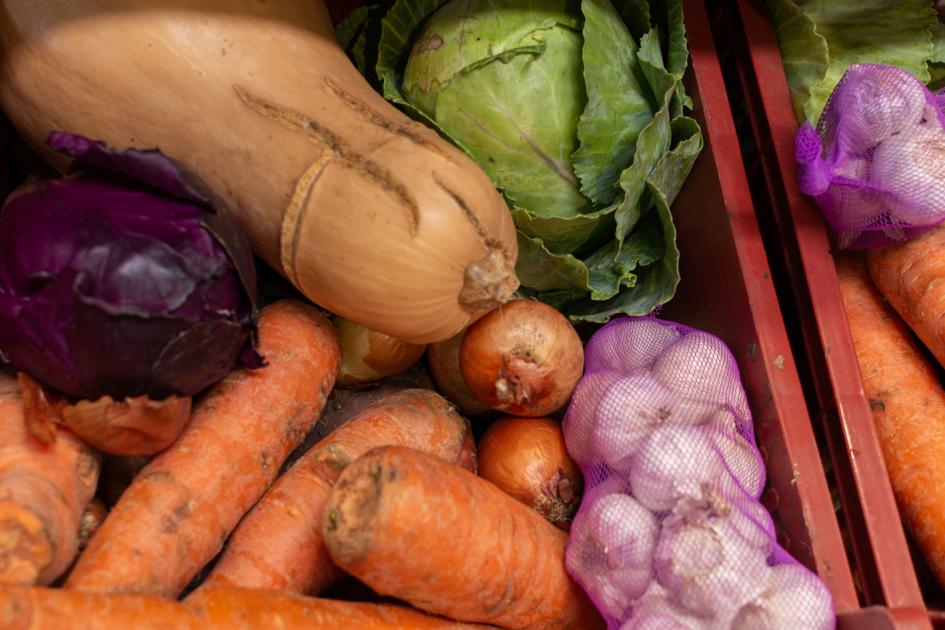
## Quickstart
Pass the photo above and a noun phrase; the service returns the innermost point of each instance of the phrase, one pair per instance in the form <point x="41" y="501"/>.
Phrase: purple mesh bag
<point x="876" y="162"/>
<point x="670" y="533"/>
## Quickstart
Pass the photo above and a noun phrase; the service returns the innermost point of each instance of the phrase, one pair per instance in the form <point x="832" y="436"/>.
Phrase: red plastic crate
<point x="882" y="558"/>
<point x="727" y="289"/>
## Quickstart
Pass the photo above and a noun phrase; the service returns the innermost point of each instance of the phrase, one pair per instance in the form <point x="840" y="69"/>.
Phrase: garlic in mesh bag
<point x="670" y="533"/>
<point x="876" y="161"/>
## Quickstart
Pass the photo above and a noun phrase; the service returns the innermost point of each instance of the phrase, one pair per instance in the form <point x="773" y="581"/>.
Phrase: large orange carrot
<point x="414" y="527"/>
<point x="37" y="608"/>
<point x="44" y="488"/>
<point x="911" y="276"/>
<point x="227" y="607"/>
<point x="278" y="544"/>
<point x="908" y="405"/>
<point x="176" y="514"/>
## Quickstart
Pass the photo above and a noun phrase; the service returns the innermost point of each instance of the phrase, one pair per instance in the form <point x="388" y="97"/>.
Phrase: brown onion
<point x="368" y="355"/>
<point x="444" y="368"/>
<point x="134" y="426"/>
<point x="526" y="458"/>
<point x="523" y="358"/>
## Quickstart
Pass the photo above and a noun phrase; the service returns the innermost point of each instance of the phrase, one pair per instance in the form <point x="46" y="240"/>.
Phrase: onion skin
<point x="134" y="426"/>
<point x="368" y="355"/>
<point x="527" y="459"/>
<point x="523" y="358"/>
<point x="443" y="358"/>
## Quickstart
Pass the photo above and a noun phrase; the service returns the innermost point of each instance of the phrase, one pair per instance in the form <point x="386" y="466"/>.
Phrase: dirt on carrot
<point x="908" y="404"/>
<point x="416" y="528"/>
<point x="44" y="488"/>
<point x="179" y="510"/>
<point x="278" y="544"/>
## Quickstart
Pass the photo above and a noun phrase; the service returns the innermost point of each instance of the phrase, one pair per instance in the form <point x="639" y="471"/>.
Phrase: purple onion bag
<point x="876" y="162"/>
<point x="670" y="533"/>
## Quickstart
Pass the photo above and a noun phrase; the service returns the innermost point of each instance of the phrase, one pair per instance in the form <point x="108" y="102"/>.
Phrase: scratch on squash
<point x="335" y="150"/>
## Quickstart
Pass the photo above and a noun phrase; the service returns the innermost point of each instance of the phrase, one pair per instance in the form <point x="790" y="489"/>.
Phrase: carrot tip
<point x="349" y="520"/>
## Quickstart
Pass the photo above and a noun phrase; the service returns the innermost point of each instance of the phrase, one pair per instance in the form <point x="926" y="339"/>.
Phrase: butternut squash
<point x="371" y="215"/>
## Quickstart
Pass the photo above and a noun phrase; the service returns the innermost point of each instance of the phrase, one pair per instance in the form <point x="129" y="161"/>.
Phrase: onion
<point x="706" y="566"/>
<point x="878" y="104"/>
<point x="655" y="611"/>
<point x="741" y="457"/>
<point x="526" y="458"/>
<point x="911" y="166"/>
<point x="523" y="358"/>
<point x="794" y="598"/>
<point x="702" y="371"/>
<point x="610" y="550"/>
<point x="133" y="426"/>
<point x="627" y="412"/>
<point x="580" y="418"/>
<point x="444" y="367"/>
<point x="677" y="462"/>
<point x="368" y="355"/>
<point x="642" y="339"/>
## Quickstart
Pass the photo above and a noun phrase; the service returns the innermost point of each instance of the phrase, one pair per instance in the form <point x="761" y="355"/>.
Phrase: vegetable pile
<point x="872" y="81"/>
<point x="180" y="450"/>
<point x="574" y="110"/>
<point x="670" y="531"/>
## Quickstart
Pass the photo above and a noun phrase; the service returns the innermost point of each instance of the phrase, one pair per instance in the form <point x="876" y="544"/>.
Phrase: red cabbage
<point x="122" y="279"/>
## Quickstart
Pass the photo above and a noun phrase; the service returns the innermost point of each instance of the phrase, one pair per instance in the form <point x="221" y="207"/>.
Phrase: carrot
<point x="178" y="511"/>
<point x="35" y="608"/>
<point x="227" y="607"/>
<point x="911" y="276"/>
<point x="908" y="405"/>
<point x="278" y="544"/>
<point x="416" y="528"/>
<point x="44" y="488"/>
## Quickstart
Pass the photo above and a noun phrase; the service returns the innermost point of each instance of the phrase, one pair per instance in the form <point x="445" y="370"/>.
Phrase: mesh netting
<point x="876" y="162"/>
<point x="670" y="533"/>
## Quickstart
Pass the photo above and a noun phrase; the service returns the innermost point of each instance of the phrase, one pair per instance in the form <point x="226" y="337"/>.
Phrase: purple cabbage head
<point x="121" y="279"/>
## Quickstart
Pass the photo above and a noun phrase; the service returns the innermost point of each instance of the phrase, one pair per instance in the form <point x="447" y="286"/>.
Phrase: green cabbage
<point x="820" y="39"/>
<point x="574" y="110"/>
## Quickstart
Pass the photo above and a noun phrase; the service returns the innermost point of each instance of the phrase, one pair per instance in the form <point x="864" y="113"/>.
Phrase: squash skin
<point x="371" y="215"/>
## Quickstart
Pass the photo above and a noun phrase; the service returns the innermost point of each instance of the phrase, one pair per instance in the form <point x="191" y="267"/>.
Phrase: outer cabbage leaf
<point x="617" y="105"/>
<point x="819" y="39"/>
